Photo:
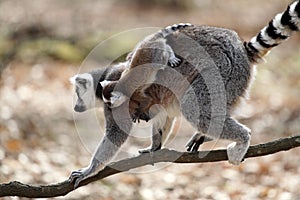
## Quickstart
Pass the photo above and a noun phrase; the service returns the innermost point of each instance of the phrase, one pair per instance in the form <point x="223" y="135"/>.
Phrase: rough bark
<point x="16" y="188"/>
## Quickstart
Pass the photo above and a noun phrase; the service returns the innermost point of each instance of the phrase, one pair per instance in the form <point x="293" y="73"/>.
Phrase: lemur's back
<point x="218" y="49"/>
<point x="224" y="50"/>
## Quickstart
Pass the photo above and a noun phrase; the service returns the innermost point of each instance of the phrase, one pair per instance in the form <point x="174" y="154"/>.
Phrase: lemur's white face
<point x="84" y="87"/>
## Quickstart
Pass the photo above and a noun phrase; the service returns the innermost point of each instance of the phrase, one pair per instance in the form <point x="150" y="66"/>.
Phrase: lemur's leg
<point x="156" y="143"/>
<point x="173" y="60"/>
<point x="196" y="107"/>
<point x="167" y="129"/>
<point x="241" y="136"/>
<point x="157" y="132"/>
<point x="118" y="127"/>
<point x="161" y="128"/>
<point x="196" y="140"/>
<point x="233" y="131"/>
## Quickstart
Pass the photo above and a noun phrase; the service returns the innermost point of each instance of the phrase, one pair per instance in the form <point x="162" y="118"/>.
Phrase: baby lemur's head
<point x="110" y="96"/>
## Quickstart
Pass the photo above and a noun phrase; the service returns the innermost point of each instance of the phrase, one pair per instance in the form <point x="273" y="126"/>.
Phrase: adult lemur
<point x="215" y="72"/>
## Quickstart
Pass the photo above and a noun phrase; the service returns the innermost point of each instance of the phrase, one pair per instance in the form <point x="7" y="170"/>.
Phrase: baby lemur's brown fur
<point x="148" y="58"/>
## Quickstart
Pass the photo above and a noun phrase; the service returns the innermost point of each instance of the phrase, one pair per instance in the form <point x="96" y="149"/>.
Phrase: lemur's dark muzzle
<point x="79" y="108"/>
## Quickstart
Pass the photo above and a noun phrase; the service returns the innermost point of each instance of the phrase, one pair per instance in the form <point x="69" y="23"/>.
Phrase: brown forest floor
<point x="42" y="140"/>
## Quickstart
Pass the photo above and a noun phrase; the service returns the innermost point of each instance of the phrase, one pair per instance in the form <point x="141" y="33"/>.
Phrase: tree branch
<point x="15" y="188"/>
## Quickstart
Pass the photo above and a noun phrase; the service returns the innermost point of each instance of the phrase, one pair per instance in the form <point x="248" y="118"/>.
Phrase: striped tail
<point x="278" y="30"/>
<point x="170" y="29"/>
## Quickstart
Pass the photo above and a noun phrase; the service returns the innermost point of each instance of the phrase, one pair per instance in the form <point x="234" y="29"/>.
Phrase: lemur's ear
<point x="73" y="79"/>
<point x="105" y="83"/>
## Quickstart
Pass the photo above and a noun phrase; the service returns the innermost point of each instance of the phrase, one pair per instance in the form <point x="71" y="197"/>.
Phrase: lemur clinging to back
<point x="234" y="61"/>
<point x="148" y="57"/>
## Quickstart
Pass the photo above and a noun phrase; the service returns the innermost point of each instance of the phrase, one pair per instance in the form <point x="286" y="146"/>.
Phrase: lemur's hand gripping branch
<point x="118" y="126"/>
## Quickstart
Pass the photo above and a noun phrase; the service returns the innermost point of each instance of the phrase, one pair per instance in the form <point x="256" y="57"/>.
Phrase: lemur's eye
<point x="81" y="81"/>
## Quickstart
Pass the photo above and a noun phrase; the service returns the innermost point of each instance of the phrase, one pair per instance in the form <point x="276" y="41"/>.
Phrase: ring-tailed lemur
<point x="152" y="50"/>
<point x="235" y="61"/>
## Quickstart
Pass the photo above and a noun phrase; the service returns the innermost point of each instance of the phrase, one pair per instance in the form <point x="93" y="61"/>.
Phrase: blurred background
<point x="43" y="43"/>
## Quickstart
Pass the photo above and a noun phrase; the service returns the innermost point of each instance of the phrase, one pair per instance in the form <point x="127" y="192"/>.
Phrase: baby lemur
<point x="148" y="57"/>
<point x="214" y="73"/>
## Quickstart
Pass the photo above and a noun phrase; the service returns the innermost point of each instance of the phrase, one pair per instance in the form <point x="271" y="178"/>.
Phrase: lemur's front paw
<point x="174" y="61"/>
<point x="195" y="142"/>
<point x="144" y="116"/>
<point x="136" y="117"/>
<point x="150" y="149"/>
<point x="79" y="175"/>
<point x="236" y="152"/>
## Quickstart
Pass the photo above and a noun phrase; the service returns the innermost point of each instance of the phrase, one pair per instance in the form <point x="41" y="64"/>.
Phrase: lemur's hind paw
<point x="236" y="152"/>
<point x="195" y="142"/>
<point x="174" y="61"/>
<point x="150" y="149"/>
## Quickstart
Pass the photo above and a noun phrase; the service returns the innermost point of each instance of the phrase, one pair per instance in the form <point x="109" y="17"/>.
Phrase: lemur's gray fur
<point x="233" y="66"/>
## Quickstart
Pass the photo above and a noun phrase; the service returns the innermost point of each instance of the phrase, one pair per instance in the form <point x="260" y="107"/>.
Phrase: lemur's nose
<point x="79" y="108"/>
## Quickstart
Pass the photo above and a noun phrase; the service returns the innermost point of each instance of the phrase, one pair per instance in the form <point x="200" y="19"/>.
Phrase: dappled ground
<point x="42" y="140"/>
